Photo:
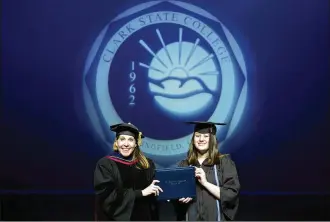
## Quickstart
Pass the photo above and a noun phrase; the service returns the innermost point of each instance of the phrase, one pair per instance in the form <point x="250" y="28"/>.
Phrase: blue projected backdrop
<point x="159" y="64"/>
<point x="70" y="69"/>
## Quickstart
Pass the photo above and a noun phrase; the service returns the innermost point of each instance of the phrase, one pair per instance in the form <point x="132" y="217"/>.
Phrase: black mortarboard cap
<point x="126" y="129"/>
<point x="205" y="127"/>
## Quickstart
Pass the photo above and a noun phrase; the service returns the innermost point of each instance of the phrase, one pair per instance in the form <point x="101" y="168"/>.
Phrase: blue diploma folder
<point x="176" y="182"/>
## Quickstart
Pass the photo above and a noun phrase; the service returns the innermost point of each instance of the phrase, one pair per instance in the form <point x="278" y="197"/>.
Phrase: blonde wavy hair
<point x="137" y="153"/>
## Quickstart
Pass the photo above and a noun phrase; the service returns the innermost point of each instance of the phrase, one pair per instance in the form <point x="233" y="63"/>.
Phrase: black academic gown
<point x="118" y="185"/>
<point x="204" y="206"/>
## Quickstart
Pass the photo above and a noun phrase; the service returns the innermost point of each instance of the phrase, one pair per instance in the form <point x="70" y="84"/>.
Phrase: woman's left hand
<point x="200" y="174"/>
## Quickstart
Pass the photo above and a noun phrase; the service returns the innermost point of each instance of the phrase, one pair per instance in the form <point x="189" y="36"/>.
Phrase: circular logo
<point x="160" y="68"/>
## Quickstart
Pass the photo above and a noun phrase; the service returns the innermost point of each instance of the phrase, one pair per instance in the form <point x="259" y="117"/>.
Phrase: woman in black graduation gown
<point x="216" y="177"/>
<point x="123" y="181"/>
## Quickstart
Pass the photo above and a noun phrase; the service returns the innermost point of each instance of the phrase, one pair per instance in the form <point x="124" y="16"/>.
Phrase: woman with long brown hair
<point x="216" y="177"/>
<point x="124" y="181"/>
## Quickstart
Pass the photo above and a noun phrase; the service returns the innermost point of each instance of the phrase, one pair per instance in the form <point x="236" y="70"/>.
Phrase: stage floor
<point x="80" y="207"/>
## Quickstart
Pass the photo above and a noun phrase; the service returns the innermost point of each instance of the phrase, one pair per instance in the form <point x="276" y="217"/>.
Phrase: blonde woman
<point x="216" y="177"/>
<point x="124" y="181"/>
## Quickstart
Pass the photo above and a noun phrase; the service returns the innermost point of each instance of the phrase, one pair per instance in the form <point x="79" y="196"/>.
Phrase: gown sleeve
<point x="229" y="190"/>
<point x="113" y="201"/>
<point x="153" y="199"/>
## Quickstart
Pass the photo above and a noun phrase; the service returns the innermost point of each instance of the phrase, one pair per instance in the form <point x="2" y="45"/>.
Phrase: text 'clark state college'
<point x="165" y="17"/>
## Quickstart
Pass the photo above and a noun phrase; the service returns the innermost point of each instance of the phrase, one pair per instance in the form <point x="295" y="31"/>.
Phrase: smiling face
<point x="126" y="145"/>
<point x="201" y="141"/>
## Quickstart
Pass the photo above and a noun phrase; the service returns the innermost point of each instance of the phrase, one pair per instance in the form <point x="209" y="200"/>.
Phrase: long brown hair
<point x="137" y="154"/>
<point x="213" y="152"/>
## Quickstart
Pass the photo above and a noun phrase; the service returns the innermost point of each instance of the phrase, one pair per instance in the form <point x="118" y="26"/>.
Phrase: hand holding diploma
<point x="200" y="175"/>
<point x="152" y="189"/>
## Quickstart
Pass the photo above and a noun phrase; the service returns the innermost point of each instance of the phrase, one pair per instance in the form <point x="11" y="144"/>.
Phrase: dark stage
<point x="80" y="207"/>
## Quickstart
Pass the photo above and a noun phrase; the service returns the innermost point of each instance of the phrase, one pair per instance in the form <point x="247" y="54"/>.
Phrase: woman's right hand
<point x="185" y="200"/>
<point x="152" y="189"/>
